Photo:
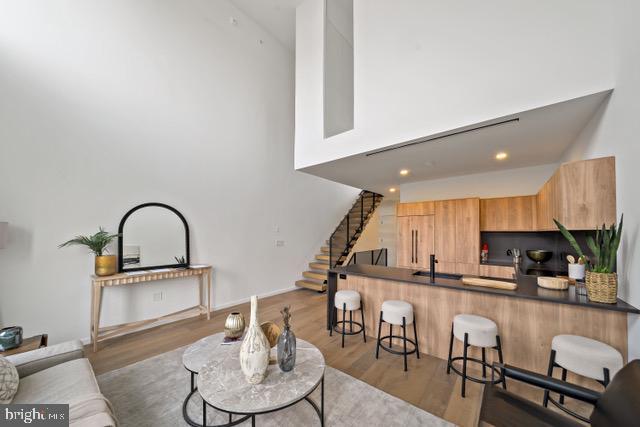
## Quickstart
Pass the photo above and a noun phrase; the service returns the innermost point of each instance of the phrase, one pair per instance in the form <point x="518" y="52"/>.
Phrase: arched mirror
<point x="153" y="235"/>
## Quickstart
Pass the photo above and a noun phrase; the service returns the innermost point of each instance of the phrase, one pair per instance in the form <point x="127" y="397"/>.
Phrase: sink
<point x="439" y="275"/>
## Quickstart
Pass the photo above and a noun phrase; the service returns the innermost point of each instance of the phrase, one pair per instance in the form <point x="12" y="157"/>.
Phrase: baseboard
<point x="87" y="340"/>
<point x="248" y="299"/>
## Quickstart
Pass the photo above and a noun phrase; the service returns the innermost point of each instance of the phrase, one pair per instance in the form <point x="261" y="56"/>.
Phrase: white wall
<point x="426" y="66"/>
<point x="614" y="131"/>
<point x="512" y="182"/>
<point x="104" y="105"/>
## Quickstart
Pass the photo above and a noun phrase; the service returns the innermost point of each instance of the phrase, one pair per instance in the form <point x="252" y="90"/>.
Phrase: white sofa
<point x="61" y="374"/>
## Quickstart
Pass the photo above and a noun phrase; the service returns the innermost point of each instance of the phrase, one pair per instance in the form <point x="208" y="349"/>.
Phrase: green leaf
<point x="567" y="235"/>
<point x="96" y="243"/>
<point x="595" y="250"/>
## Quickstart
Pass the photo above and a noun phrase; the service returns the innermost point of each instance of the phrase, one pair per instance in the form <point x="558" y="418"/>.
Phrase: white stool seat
<point x="394" y="310"/>
<point x="585" y="356"/>
<point x="481" y="331"/>
<point x="350" y="299"/>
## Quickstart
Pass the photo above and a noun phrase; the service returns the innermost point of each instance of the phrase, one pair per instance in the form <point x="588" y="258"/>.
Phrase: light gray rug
<point x="151" y="392"/>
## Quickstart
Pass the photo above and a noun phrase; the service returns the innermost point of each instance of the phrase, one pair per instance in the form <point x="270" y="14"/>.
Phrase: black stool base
<point x="483" y="380"/>
<point x="343" y="330"/>
<point x="560" y="404"/>
<point x="465" y="358"/>
<point x="390" y="350"/>
<point x="403" y="338"/>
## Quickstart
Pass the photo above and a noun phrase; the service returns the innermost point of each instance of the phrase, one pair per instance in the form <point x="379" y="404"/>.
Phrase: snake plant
<point x="604" y="246"/>
<point x="97" y="243"/>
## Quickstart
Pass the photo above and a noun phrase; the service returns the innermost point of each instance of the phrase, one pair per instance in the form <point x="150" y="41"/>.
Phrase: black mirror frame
<point x="121" y="268"/>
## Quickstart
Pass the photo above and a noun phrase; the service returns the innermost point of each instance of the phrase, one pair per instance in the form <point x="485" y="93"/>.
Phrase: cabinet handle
<point x="416" y="246"/>
<point x="412" y="246"/>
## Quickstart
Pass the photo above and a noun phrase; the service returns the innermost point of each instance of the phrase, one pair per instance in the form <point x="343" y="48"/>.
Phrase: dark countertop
<point x="527" y="286"/>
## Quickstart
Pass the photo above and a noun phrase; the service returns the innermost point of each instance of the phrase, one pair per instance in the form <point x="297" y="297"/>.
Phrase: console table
<point x="202" y="272"/>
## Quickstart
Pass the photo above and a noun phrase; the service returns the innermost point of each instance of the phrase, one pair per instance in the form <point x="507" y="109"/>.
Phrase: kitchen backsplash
<point x="500" y="242"/>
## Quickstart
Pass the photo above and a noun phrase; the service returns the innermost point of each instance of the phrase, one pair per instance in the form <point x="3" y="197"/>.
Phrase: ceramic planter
<point x="106" y="265"/>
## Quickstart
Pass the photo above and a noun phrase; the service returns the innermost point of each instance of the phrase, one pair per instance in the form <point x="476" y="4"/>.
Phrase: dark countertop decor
<point x="527" y="286"/>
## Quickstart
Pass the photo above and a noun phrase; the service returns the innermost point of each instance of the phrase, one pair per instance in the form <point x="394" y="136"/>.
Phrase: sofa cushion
<point x="70" y="383"/>
<point x="8" y="381"/>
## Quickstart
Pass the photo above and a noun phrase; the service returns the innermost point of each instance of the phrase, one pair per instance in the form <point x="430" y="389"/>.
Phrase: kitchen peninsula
<point x="528" y="317"/>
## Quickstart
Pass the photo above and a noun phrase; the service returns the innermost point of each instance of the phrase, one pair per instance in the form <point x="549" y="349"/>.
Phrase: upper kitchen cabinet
<point x="581" y="195"/>
<point x="416" y="208"/>
<point x="508" y="214"/>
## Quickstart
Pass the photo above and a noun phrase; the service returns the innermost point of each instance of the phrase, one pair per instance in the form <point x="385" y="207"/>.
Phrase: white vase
<point x="254" y="351"/>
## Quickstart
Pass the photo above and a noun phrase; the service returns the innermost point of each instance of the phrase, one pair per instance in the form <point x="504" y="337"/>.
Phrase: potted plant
<point x="97" y="243"/>
<point x="601" y="280"/>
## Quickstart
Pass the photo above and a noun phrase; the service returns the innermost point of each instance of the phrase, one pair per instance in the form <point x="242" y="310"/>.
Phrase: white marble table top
<point x="199" y="353"/>
<point x="222" y="384"/>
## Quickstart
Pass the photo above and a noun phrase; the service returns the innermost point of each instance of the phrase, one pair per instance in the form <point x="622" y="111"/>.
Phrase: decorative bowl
<point x="539" y="255"/>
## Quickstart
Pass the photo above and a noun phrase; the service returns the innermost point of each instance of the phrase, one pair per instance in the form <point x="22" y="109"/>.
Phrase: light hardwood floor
<point x="426" y="384"/>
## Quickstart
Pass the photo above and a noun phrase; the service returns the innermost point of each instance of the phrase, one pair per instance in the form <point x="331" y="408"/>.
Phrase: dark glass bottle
<point x="286" y="350"/>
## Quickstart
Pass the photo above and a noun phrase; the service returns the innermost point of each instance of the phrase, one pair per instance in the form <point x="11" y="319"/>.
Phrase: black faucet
<point x="432" y="268"/>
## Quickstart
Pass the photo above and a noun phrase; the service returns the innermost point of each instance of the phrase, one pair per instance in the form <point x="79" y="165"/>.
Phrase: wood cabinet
<point x="581" y="195"/>
<point x="404" y="242"/>
<point x="415" y="241"/>
<point x="496" y="271"/>
<point x="415" y="208"/>
<point x="457" y="235"/>
<point x="508" y="214"/>
<point x="445" y="235"/>
<point x="468" y="231"/>
<point x="494" y="214"/>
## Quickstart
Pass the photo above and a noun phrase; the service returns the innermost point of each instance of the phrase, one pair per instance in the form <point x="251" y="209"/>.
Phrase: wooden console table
<point x="203" y="272"/>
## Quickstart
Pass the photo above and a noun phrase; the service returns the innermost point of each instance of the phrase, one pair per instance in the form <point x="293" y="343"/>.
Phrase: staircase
<point x="341" y="241"/>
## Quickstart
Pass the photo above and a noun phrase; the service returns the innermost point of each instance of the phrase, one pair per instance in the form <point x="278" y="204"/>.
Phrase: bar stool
<point x="348" y="300"/>
<point x="480" y="332"/>
<point x="583" y="356"/>
<point x="399" y="313"/>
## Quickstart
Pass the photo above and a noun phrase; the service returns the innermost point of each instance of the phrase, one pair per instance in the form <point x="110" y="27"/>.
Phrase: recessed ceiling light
<point x="501" y="155"/>
<point x="392" y="190"/>
<point x="404" y="172"/>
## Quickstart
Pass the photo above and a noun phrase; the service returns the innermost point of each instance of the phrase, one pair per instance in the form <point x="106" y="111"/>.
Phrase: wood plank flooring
<point x="426" y="384"/>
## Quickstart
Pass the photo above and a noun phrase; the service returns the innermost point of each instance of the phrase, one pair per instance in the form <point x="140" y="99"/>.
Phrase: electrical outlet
<point x="279" y="243"/>
<point x="158" y="296"/>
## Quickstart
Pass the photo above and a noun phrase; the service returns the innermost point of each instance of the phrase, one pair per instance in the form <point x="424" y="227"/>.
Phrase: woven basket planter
<point x="602" y="287"/>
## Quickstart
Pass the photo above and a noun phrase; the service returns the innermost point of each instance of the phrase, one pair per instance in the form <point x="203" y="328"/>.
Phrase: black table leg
<point x="253" y="421"/>
<point x="204" y="413"/>
<point x="322" y="402"/>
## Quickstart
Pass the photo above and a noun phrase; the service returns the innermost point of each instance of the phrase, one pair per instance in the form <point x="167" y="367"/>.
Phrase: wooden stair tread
<point x="324" y="249"/>
<point x="318" y="266"/>
<point x="314" y="275"/>
<point x="320" y="287"/>
<point x="322" y="257"/>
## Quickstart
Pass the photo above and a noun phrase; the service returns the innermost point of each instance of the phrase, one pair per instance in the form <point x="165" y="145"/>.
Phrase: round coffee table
<point x="222" y="385"/>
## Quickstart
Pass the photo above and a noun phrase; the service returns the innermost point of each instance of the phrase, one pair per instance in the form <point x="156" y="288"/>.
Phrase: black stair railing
<point x="352" y="224"/>
<point x="372" y="257"/>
